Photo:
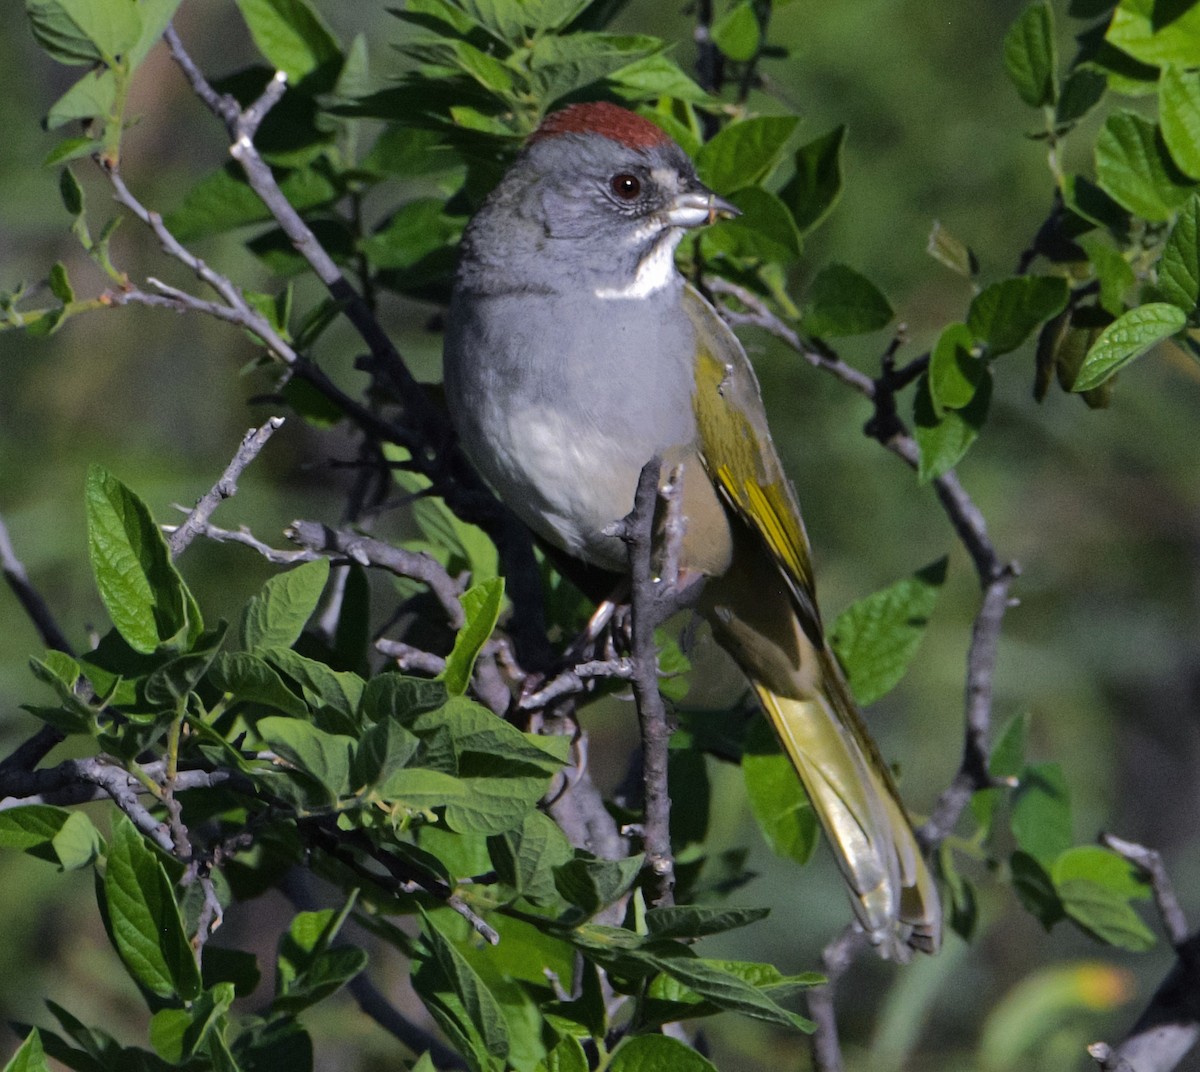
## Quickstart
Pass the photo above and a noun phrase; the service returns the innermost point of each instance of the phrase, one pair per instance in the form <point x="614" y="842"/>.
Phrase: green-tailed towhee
<point x="575" y="352"/>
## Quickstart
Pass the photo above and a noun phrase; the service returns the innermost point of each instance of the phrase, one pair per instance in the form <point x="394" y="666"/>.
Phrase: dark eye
<point x="626" y="186"/>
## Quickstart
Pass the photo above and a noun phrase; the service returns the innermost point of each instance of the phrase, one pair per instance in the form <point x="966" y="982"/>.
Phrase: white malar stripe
<point x="654" y="272"/>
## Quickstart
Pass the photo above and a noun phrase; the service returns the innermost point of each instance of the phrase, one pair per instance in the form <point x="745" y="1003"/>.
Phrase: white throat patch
<point x="654" y="272"/>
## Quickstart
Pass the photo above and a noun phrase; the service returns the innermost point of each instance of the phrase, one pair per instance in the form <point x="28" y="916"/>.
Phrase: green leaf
<point x="169" y="683"/>
<point x="948" y="249"/>
<point x="1029" y="55"/>
<point x="481" y="604"/>
<point x="1179" y="265"/>
<point x="964" y="905"/>
<point x="723" y="988"/>
<point x="30" y="1057"/>
<point x="416" y="230"/>
<point x="1003" y="315"/>
<point x="1041" y="812"/>
<point x="62" y="837"/>
<point x="1104" y="913"/>
<point x="876" y="638"/>
<point x="461" y="1002"/>
<point x="1179" y="117"/>
<point x="325" y="974"/>
<point x="250" y="679"/>
<point x="1126" y="338"/>
<point x="698" y="921"/>
<point x="309" y="968"/>
<point x="1114" y="272"/>
<point x="493" y="804"/>
<point x="653" y="77"/>
<point x="145" y="596"/>
<point x="340" y="691"/>
<point x="72" y="149"/>
<point x="292" y="35"/>
<point x="177" y="1034"/>
<point x="1139" y="28"/>
<point x="95" y="94"/>
<point x="945" y="438"/>
<point x="657" y="1053"/>
<point x="744" y="153"/>
<point x="489" y="72"/>
<point x="60" y="284"/>
<point x="777" y="799"/>
<point x="843" y="302"/>
<point x="567" y="1056"/>
<point x="813" y="191"/>
<point x="420" y="789"/>
<point x="84" y="31"/>
<point x="275" y="616"/>
<point x="486" y="741"/>
<point x="155" y="16"/>
<point x="1008" y="757"/>
<point x="525" y="857"/>
<point x="955" y="368"/>
<point x="61" y="673"/>
<point x="1092" y="863"/>
<point x="144" y="917"/>
<point x="1081" y="92"/>
<point x="736" y="33"/>
<point x="395" y="696"/>
<point x="224" y="200"/>
<point x="1034" y="888"/>
<point x="534" y="14"/>
<point x="326" y="756"/>
<point x="594" y="884"/>
<point x="562" y="65"/>
<point x="385" y="748"/>
<point x="763" y="232"/>
<point x="1134" y="166"/>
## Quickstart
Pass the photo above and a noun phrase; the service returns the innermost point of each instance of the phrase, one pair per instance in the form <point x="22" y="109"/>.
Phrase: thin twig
<point x="1150" y="863"/>
<point x="235" y="307"/>
<point x="241" y="126"/>
<point x="573" y="680"/>
<point x="253" y="442"/>
<point x="367" y="551"/>
<point x="244" y="536"/>
<point x="409" y="658"/>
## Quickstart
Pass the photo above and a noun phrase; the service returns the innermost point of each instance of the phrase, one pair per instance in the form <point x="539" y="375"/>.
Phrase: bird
<point x="575" y="351"/>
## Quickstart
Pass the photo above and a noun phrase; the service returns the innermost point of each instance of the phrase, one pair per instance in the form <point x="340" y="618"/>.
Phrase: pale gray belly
<point x="561" y="427"/>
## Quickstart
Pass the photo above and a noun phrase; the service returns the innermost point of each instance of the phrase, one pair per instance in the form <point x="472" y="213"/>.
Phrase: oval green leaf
<point x="1126" y="338"/>
<point x="1179" y="115"/>
<point x="1135" y="168"/>
<point x="144" y="918"/>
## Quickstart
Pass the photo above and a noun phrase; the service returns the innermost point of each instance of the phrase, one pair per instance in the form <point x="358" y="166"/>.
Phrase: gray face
<point x="582" y="210"/>
<point x="593" y="185"/>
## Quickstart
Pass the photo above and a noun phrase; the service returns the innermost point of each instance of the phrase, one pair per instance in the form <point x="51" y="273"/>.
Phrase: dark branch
<point x="652" y="600"/>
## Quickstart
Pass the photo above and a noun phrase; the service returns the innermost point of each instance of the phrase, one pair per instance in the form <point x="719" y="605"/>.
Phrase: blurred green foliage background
<point x="1099" y="508"/>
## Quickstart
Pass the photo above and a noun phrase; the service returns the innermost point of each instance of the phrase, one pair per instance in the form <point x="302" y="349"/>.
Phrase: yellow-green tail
<point x="891" y="889"/>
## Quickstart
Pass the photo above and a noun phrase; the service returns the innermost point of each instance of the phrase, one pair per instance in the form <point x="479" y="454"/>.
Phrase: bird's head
<point x="600" y="193"/>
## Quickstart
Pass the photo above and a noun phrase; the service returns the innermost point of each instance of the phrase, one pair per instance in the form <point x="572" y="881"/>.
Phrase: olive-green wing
<point x="736" y="447"/>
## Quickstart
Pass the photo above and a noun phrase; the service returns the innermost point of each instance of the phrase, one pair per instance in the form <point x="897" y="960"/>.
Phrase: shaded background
<point x="1099" y="508"/>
